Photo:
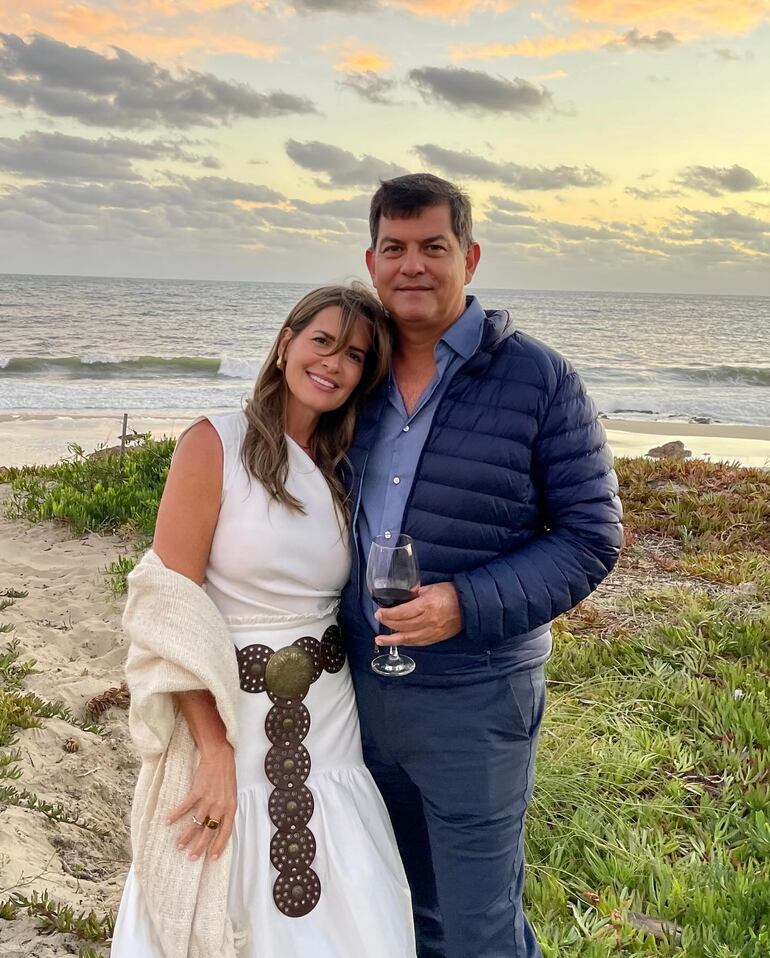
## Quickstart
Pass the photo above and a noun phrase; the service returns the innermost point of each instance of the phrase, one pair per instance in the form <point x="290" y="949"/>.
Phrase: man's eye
<point x="390" y="249"/>
<point x="436" y="247"/>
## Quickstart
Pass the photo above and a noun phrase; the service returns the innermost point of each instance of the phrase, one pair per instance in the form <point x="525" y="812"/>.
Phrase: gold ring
<point x="210" y="822"/>
<point x="197" y="822"/>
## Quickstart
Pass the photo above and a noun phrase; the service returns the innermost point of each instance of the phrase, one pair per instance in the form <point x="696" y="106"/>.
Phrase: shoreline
<point x="717" y="442"/>
<point x="41" y="437"/>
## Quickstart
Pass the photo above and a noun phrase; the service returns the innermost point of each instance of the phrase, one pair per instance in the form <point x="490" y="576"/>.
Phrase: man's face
<point x="420" y="270"/>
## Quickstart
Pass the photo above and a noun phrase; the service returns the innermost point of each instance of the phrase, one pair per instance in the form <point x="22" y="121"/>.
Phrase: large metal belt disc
<point x="289" y="673"/>
<point x="287" y="727"/>
<point x="287" y="767"/>
<point x="295" y="851"/>
<point x="313" y="647"/>
<point x="252" y="664"/>
<point x="333" y="649"/>
<point x="292" y="809"/>
<point x="298" y="893"/>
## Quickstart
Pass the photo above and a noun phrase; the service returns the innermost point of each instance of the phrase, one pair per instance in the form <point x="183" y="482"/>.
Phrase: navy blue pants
<point x="455" y="766"/>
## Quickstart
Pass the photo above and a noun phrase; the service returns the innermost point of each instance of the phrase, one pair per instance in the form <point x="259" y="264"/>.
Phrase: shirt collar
<point x="464" y="335"/>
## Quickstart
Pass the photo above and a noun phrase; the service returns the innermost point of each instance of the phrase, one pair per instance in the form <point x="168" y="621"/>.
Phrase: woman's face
<point x="321" y="380"/>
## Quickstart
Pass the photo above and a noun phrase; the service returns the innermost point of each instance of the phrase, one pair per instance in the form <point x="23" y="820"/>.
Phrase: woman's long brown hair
<point x="264" y="452"/>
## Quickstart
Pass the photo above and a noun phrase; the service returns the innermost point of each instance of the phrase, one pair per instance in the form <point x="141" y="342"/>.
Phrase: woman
<point x="253" y="797"/>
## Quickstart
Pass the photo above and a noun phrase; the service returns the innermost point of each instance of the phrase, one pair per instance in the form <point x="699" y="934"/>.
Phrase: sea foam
<point x="239" y="368"/>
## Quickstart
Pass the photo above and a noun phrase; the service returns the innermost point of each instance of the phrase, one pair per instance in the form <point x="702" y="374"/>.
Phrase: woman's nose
<point x="331" y="361"/>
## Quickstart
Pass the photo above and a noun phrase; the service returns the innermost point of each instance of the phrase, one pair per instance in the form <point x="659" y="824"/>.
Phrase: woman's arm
<point x="187" y="518"/>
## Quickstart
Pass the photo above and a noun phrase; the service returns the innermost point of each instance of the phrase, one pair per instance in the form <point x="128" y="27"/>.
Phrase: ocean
<point x="89" y="344"/>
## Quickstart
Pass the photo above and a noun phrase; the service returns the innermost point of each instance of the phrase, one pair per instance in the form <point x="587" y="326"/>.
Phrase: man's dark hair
<point x="407" y="196"/>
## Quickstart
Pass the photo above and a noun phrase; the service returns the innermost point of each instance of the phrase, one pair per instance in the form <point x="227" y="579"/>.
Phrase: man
<point x="484" y="448"/>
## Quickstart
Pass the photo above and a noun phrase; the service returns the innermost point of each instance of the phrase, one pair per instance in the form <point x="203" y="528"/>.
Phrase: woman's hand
<point x="212" y="795"/>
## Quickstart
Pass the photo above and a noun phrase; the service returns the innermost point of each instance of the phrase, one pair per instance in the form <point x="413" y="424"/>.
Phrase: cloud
<point x="477" y="91"/>
<point x="202" y="214"/>
<point x="729" y="224"/>
<point x="471" y="166"/>
<point x="540" y="48"/>
<point x="357" y="207"/>
<point x="439" y="9"/>
<point x="661" y="40"/>
<point x="451" y="9"/>
<point x="582" y="41"/>
<point x="363" y="61"/>
<point x="717" y="17"/>
<point x="651" y="194"/>
<point x="723" y="53"/>
<point x="341" y="168"/>
<point x="55" y="156"/>
<point x="658" y="25"/>
<point x="163" y="30"/>
<point x="692" y="240"/>
<point x="371" y="87"/>
<point x="220" y="188"/>
<point x="122" y="91"/>
<point x="553" y="75"/>
<point x="334" y="6"/>
<point x="716" y="180"/>
<point x="502" y="203"/>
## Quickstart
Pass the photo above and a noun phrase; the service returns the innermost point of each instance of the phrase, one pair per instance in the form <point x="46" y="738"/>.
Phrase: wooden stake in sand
<point x="123" y="436"/>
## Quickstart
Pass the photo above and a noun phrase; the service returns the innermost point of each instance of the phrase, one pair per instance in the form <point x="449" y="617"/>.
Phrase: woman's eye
<point x="356" y="357"/>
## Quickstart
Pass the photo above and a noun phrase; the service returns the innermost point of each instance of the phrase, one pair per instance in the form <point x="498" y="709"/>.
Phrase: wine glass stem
<point x="393" y="654"/>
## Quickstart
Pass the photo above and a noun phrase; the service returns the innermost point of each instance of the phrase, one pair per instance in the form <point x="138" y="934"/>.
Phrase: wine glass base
<point x="387" y="665"/>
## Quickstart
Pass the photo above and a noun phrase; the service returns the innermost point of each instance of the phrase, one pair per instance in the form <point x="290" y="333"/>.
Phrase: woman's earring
<point x="279" y="362"/>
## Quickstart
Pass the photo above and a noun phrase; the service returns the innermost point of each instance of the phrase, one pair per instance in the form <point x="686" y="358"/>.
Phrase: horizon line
<point x="510" y="289"/>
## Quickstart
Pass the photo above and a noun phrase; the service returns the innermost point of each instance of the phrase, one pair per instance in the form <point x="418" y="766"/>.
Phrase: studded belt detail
<point x="286" y="676"/>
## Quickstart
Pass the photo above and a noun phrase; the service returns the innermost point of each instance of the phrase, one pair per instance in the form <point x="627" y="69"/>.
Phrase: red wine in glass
<point x="392" y="578"/>
<point x="388" y="598"/>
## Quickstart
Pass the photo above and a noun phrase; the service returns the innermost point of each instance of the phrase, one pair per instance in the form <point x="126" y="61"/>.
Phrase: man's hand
<point x="431" y="617"/>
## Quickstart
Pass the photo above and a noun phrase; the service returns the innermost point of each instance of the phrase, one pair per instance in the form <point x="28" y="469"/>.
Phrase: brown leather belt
<point x="286" y="676"/>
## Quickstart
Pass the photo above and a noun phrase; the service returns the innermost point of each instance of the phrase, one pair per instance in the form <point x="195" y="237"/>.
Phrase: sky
<point x="605" y="144"/>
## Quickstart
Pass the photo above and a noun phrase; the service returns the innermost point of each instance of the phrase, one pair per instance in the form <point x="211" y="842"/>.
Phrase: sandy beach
<point x="719" y="442"/>
<point x="70" y="624"/>
<point x="43" y="437"/>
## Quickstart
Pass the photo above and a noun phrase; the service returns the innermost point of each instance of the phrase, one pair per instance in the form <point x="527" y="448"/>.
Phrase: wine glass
<point x="392" y="577"/>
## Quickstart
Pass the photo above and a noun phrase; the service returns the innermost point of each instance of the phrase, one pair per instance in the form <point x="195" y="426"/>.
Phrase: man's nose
<point x="413" y="262"/>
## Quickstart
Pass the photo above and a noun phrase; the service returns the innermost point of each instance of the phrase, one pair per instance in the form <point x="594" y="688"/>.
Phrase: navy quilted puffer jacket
<point x="515" y="501"/>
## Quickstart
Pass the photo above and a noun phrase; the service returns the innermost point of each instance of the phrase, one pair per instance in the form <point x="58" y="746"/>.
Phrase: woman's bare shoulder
<point x="189" y="506"/>
<point x="200" y="443"/>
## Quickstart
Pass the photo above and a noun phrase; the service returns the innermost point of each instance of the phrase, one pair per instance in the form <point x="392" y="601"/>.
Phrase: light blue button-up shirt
<point x="395" y="451"/>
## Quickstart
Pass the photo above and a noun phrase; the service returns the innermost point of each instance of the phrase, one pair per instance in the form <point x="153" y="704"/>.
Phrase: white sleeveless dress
<point x="275" y="576"/>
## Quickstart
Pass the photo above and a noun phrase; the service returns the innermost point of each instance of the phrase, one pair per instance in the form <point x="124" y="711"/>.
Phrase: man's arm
<point x="527" y="588"/>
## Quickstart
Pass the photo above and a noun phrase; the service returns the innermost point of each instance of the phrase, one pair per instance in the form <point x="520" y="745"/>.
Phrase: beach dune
<point x="70" y="624"/>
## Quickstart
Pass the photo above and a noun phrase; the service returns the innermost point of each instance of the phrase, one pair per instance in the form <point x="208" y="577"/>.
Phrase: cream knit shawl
<point x="178" y="642"/>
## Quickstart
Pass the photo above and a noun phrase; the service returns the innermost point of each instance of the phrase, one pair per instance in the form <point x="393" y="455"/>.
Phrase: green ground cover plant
<point x="96" y="493"/>
<point x="649" y="833"/>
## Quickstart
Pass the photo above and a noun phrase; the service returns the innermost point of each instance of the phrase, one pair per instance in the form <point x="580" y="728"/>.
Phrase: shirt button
<point x="406" y="429"/>
<point x="388" y="535"/>
<point x="396" y="480"/>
